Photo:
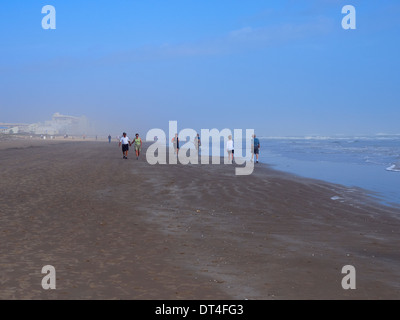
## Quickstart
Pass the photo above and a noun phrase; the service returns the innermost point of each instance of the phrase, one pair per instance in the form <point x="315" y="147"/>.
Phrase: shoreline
<point x="361" y="194"/>
<point x="122" y="229"/>
<point x="350" y="162"/>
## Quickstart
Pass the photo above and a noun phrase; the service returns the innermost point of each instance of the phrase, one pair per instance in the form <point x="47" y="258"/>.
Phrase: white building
<point x="59" y="124"/>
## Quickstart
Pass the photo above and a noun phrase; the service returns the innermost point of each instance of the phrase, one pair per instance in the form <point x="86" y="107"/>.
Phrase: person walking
<point x="138" y="145"/>
<point x="256" y="148"/>
<point x="109" y="138"/>
<point x="125" y="142"/>
<point x="230" y="149"/>
<point x="197" y="143"/>
<point x="175" y="141"/>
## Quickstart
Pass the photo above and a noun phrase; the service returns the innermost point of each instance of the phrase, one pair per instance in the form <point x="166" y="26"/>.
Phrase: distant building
<point x="59" y="124"/>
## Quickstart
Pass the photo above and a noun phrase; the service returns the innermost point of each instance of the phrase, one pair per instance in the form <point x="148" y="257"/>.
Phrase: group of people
<point x="137" y="142"/>
<point x="126" y="143"/>
<point x="255" y="148"/>
<point x="175" y="142"/>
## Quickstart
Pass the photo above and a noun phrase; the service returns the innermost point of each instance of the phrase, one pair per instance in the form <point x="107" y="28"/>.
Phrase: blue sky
<point x="279" y="67"/>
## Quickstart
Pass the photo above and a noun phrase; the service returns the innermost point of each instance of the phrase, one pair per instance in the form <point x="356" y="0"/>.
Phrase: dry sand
<point x="123" y="229"/>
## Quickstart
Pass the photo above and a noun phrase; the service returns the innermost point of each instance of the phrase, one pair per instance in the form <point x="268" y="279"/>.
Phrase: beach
<point x="124" y="229"/>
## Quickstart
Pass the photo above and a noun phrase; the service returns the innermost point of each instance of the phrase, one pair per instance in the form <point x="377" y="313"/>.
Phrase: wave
<point x="349" y="139"/>
<point x="394" y="167"/>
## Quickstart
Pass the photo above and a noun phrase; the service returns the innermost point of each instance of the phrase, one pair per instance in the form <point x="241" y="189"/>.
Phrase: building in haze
<point x="58" y="125"/>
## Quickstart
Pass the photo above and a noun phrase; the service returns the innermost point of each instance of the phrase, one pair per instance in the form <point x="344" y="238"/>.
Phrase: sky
<point x="280" y="67"/>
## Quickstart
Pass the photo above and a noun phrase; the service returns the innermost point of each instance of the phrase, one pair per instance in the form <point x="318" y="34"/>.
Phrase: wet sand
<point x="123" y="229"/>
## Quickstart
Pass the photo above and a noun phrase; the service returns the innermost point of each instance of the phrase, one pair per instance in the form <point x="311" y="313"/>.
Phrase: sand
<point x="123" y="229"/>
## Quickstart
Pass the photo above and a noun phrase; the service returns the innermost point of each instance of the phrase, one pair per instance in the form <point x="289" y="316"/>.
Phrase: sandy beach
<point x="123" y="229"/>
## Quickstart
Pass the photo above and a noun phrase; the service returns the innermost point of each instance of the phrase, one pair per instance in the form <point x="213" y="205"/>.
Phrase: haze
<point x="280" y="67"/>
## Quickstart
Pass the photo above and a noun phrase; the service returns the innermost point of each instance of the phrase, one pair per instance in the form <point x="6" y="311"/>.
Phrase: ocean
<point x="368" y="162"/>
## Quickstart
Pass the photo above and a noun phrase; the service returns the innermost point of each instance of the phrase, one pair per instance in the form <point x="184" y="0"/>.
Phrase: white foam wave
<point x="394" y="167"/>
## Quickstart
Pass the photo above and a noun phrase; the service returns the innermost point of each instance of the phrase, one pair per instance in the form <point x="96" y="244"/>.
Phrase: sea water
<point x="371" y="163"/>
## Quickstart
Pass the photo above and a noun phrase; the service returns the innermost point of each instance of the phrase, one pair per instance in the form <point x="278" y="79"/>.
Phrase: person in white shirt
<point x="230" y="148"/>
<point x="125" y="141"/>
